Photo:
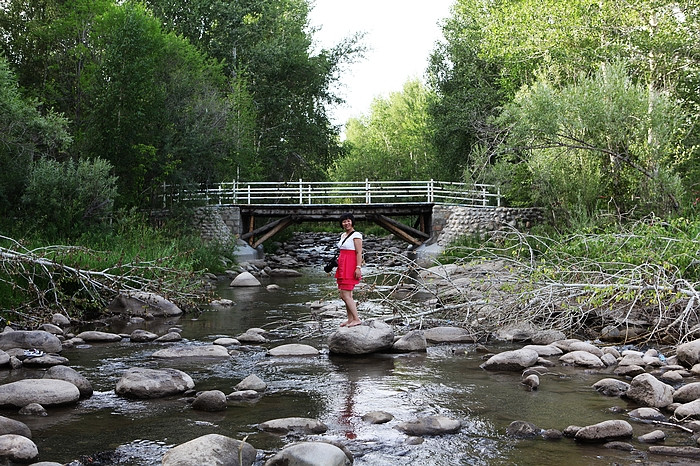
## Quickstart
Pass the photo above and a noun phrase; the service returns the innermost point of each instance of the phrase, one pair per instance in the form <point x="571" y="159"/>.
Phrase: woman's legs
<point x="351" y="308"/>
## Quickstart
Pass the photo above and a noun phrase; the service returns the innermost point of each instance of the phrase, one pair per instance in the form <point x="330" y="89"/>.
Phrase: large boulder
<point x="141" y="303"/>
<point x="213" y="449"/>
<point x="143" y="383"/>
<point x="362" y="339"/>
<point x="515" y="360"/>
<point x="46" y="392"/>
<point x="30" y="339"/>
<point x="605" y="431"/>
<point x="193" y="351"/>
<point x="687" y="393"/>
<point x="70" y="375"/>
<point x="310" y="454"/>
<point x="210" y="400"/>
<point x="647" y="390"/>
<point x="688" y="354"/>
<point x="17" y="449"/>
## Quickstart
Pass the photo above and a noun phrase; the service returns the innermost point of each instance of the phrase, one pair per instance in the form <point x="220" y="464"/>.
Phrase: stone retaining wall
<point x="221" y="223"/>
<point x="451" y="222"/>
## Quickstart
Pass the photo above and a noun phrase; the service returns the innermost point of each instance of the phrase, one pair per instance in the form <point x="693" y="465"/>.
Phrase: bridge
<point x="281" y="204"/>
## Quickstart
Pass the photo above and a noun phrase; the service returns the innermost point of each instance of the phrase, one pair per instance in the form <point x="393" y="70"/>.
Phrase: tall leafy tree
<point x="269" y="45"/>
<point x="393" y="142"/>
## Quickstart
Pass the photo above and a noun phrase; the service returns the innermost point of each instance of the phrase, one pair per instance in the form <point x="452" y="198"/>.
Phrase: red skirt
<point x="345" y="274"/>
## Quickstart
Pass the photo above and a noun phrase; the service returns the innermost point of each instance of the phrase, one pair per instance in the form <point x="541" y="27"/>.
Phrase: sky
<point x="399" y="36"/>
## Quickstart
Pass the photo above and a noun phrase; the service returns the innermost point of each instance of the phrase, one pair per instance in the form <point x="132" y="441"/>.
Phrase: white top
<point x="350" y="242"/>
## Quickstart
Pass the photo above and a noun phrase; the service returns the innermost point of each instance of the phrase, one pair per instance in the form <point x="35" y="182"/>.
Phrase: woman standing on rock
<point x="349" y="270"/>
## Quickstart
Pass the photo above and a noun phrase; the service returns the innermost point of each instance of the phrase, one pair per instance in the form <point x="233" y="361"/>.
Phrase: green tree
<point x="394" y="142"/>
<point x="25" y="135"/>
<point x="268" y="44"/>
<point x="601" y="140"/>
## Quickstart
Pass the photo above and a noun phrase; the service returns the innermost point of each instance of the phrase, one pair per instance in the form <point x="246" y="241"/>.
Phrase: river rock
<point x="583" y="346"/>
<point x="293" y="349"/>
<point x="609" y="360"/>
<point x="192" y="351"/>
<point x="252" y="382"/>
<point x="647" y="390"/>
<point x="515" y="332"/>
<point x="362" y="339"/>
<point x="169" y="337"/>
<point x="284" y="273"/>
<point x="10" y="426"/>
<point x="522" y="429"/>
<point x="245" y="279"/>
<point x="532" y="382"/>
<point x="226" y="341"/>
<point x="547" y="337"/>
<point x="629" y="371"/>
<point x="515" y="360"/>
<point x="310" y="454"/>
<point x="46" y="360"/>
<point x="544" y="350"/>
<point x="142" y="336"/>
<point x="582" y="358"/>
<point x="30" y="339"/>
<point x="243" y="395"/>
<point x="143" y="383"/>
<point x="647" y="414"/>
<point x="210" y="400"/>
<point x="687" y="354"/>
<point x="687" y="411"/>
<point x="51" y="328"/>
<point x="430" y="425"/>
<point x="211" y="449"/>
<point x="611" y="387"/>
<point x="632" y="359"/>
<point x="413" y="341"/>
<point x="654" y="436"/>
<point x="95" y="336"/>
<point x="17" y="448"/>
<point x="377" y="417"/>
<point x="251" y="337"/>
<point x="605" y="431"/>
<point x="47" y="392"/>
<point x="70" y="375"/>
<point x="565" y="345"/>
<point x="142" y="303"/>
<point x="687" y="393"/>
<point x="448" y="335"/>
<point x="300" y="425"/>
<point x="33" y="409"/>
<point x="686" y="452"/>
<point x="60" y="320"/>
<point x="4" y="358"/>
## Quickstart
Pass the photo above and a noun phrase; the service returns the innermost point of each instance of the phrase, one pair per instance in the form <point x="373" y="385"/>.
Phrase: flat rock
<point x="544" y="350"/>
<point x="588" y="347"/>
<point x="686" y="452"/>
<point x="430" y="425"/>
<point x="377" y="417"/>
<point x="47" y="392"/>
<point x="94" y="336"/>
<point x="581" y="358"/>
<point x="192" y="351"/>
<point x="293" y="424"/>
<point x="293" y="349"/>
<point x="46" y="360"/>
<point x="142" y="336"/>
<point x="448" y="335"/>
<point x="143" y="383"/>
<point x="169" y="337"/>
<point x="647" y="414"/>
<point x="226" y="341"/>
<point x="211" y="449"/>
<point x="70" y="375"/>
<point x="367" y="338"/>
<point x="605" y="431"/>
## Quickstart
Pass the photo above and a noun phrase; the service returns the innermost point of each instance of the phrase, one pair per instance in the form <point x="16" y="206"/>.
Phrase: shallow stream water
<point x="336" y="390"/>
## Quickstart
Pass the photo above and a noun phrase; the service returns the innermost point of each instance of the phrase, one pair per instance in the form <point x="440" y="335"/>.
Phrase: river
<point x="336" y="390"/>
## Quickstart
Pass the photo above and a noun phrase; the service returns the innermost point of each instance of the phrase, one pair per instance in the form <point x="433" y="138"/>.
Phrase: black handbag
<point x="333" y="263"/>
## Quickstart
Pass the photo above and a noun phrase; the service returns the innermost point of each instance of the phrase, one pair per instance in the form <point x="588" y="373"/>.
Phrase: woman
<point x="349" y="270"/>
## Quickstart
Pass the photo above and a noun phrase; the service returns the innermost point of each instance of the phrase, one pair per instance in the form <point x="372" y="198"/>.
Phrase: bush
<point x="65" y="199"/>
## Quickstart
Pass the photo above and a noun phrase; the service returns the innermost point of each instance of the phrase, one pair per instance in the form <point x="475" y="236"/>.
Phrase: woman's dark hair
<point x="346" y="217"/>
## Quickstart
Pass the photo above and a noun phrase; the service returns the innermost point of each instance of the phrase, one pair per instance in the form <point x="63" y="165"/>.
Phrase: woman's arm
<point x="358" y="256"/>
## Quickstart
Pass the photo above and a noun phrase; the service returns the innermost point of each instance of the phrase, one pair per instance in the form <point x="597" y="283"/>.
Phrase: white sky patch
<point x="399" y="35"/>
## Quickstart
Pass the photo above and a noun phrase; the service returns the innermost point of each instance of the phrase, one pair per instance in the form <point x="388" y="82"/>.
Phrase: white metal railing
<point x="346" y="192"/>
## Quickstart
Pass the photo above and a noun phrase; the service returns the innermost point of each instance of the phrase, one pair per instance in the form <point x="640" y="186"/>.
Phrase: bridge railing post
<point x="301" y="192"/>
<point x="431" y="190"/>
<point x="368" y="193"/>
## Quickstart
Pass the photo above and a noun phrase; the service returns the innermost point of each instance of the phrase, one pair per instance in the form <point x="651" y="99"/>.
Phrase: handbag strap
<point x="341" y="243"/>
